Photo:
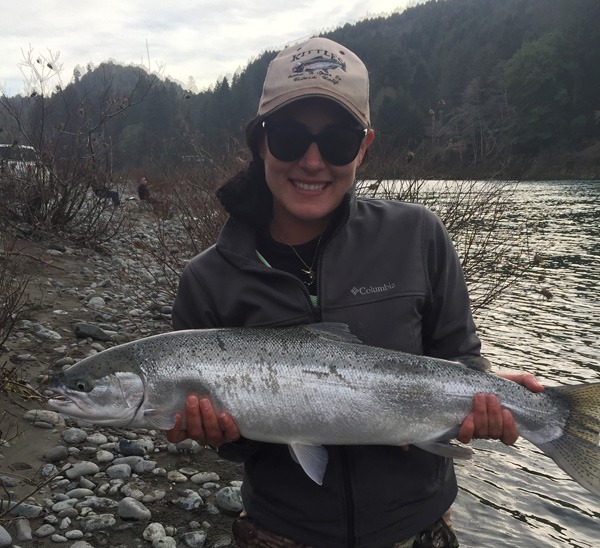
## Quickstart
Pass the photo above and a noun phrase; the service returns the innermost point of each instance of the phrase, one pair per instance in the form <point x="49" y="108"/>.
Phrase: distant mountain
<point x="471" y="85"/>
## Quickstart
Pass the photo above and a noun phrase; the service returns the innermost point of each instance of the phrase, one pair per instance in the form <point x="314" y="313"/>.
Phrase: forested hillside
<point x="469" y="86"/>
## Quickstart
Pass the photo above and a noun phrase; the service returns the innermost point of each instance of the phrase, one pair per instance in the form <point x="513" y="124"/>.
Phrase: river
<point x="516" y="496"/>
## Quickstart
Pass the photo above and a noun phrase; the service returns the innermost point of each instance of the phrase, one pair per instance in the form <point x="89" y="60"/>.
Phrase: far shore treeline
<point x="472" y="87"/>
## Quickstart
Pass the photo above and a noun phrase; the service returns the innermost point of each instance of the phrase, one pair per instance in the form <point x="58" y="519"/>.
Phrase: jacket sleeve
<point x="448" y="326"/>
<point x="194" y="309"/>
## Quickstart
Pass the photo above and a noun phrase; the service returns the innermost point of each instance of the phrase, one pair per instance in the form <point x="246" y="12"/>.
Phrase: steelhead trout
<point x="316" y="385"/>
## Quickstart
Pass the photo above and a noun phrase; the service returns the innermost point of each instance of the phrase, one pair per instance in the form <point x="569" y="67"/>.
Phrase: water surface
<point x="516" y="496"/>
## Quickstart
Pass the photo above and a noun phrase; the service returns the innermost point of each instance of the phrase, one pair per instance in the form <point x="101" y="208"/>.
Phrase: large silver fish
<point x="316" y="385"/>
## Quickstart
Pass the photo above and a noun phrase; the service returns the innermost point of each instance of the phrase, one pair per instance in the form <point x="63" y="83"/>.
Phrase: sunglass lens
<point x="288" y="141"/>
<point x="339" y="144"/>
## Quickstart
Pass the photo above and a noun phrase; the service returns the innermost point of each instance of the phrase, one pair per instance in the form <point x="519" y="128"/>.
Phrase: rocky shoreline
<point x="64" y="483"/>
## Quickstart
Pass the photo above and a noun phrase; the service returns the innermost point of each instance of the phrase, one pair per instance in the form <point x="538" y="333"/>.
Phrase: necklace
<point x="308" y="270"/>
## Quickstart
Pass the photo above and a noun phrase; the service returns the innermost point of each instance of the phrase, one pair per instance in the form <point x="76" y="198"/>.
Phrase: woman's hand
<point x="203" y="425"/>
<point x="489" y="420"/>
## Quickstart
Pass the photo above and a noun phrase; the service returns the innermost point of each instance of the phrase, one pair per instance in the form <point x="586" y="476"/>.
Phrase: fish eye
<point x="81" y="385"/>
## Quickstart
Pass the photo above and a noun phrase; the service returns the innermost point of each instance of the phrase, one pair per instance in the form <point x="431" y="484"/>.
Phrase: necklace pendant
<point x="310" y="274"/>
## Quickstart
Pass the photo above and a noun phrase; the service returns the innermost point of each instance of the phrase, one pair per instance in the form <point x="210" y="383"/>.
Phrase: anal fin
<point x="312" y="458"/>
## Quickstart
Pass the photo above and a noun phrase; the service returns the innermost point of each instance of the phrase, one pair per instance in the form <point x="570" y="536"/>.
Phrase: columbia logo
<point x="368" y="290"/>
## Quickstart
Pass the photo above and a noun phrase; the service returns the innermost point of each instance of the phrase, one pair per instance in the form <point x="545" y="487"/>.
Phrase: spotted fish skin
<point x="316" y="385"/>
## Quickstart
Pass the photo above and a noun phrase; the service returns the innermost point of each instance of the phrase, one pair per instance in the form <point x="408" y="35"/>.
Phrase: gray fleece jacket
<point x="390" y="272"/>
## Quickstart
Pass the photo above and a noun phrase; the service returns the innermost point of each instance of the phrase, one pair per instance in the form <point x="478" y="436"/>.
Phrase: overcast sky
<point x="204" y="39"/>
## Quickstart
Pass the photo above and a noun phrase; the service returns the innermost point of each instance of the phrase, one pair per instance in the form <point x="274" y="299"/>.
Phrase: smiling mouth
<point x="306" y="186"/>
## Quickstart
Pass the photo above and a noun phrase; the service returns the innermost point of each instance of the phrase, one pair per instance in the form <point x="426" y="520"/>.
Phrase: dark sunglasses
<point x="289" y="140"/>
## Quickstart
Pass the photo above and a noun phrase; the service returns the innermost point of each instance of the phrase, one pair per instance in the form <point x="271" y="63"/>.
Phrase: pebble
<point x="154" y="531"/>
<point x="74" y="435"/>
<point x="56" y="454"/>
<point x="37" y="416"/>
<point x="205" y="477"/>
<point x="119" y="471"/>
<point x="5" y="538"/>
<point x="84" y="330"/>
<point x="194" y="539"/>
<point x="108" y="482"/>
<point x="129" y="508"/>
<point x="229" y="499"/>
<point x="84" y="468"/>
<point x="23" y="528"/>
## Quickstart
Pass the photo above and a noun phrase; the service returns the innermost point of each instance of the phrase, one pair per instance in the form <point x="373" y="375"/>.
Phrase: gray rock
<point x="5" y="538"/>
<point x="96" y="439"/>
<point x="23" y="528"/>
<point x="49" y="470"/>
<point x="154" y="531"/>
<point x="58" y="539"/>
<point x="84" y="330"/>
<point x="144" y="467"/>
<point x="96" y="302"/>
<point x="164" y="542"/>
<point x="98" y="503"/>
<point x="95" y="522"/>
<point x="184" y="447"/>
<point x="64" y="504"/>
<point x="44" y="531"/>
<point x="104" y="456"/>
<point x="74" y="534"/>
<point x="132" y="509"/>
<point x="154" y="495"/>
<point x="119" y="471"/>
<point x="132" y="448"/>
<point x="9" y="481"/>
<point x="56" y="454"/>
<point x="73" y="436"/>
<point x="64" y="362"/>
<point x="48" y="334"/>
<point x="25" y="358"/>
<point x="79" y="493"/>
<point x="130" y="461"/>
<point x="176" y="476"/>
<point x="194" y="539"/>
<point x="22" y="510"/>
<point x="82" y="544"/>
<point x="204" y="477"/>
<point x="83" y="468"/>
<point x="223" y="542"/>
<point x="43" y="415"/>
<point x="229" y="499"/>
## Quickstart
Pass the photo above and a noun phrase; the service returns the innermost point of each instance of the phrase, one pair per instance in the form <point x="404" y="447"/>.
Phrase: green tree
<point x="539" y="85"/>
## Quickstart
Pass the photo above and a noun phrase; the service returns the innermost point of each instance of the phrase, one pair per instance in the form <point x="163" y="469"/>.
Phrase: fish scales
<point x="317" y="385"/>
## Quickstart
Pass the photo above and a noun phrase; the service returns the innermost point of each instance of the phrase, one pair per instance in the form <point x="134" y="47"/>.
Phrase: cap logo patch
<point x="318" y="63"/>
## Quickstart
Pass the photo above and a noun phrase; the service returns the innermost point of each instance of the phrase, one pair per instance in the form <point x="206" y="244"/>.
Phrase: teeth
<point x="304" y="186"/>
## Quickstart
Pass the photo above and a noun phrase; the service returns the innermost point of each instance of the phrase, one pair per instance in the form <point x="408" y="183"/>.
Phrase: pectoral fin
<point x="158" y="418"/>
<point x="445" y="449"/>
<point x="312" y="458"/>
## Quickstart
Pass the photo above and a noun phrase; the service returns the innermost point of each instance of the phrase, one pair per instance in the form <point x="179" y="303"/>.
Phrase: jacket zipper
<point x="348" y="497"/>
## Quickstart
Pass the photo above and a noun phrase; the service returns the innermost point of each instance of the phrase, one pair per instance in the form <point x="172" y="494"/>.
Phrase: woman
<point x="299" y="247"/>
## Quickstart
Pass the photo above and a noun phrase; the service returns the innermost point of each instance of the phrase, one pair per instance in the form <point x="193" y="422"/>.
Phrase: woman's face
<point x="306" y="191"/>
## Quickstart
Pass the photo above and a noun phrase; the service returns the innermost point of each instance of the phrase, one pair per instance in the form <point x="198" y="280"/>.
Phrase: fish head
<point x="111" y="399"/>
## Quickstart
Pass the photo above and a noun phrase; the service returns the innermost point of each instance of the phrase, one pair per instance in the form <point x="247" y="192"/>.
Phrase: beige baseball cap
<point x="318" y="67"/>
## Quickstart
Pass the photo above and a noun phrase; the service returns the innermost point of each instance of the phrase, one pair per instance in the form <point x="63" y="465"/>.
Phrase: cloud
<point x="205" y="39"/>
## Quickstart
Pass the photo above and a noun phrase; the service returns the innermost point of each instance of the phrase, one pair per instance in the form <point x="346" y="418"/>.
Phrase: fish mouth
<point x="63" y="401"/>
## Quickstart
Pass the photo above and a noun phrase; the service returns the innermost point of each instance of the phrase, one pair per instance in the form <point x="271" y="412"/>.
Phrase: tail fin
<point x="577" y="451"/>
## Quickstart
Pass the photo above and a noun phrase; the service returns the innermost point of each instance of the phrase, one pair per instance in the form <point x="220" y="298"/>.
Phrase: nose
<point x="312" y="159"/>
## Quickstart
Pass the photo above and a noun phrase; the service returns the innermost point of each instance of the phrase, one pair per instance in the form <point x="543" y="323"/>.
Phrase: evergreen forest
<point x="468" y="87"/>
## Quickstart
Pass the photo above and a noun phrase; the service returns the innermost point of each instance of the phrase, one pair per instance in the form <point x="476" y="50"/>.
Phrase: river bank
<point x="81" y="484"/>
